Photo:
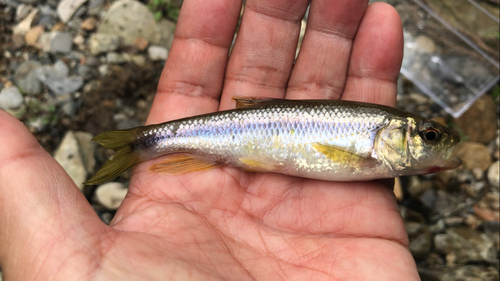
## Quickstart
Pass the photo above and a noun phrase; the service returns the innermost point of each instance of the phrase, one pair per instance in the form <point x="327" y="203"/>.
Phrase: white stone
<point x="24" y="26"/>
<point x="111" y="194"/>
<point x="66" y="8"/>
<point x="68" y="156"/>
<point x="494" y="174"/>
<point x="10" y="98"/>
<point x="100" y="43"/>
<point x="157" y="53"/>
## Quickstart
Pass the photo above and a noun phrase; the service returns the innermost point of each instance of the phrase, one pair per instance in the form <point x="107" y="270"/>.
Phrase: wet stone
<point x="61" y="42"/>
<point x="494" y="175"/>
<point x="26" y="77"/>
<point x="95" y="7"/>
<point x="66" y="8"/>
<point x="156" y="53"/>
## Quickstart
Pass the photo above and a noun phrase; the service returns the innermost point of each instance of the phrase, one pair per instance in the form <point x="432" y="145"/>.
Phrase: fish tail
<point x="124" y="158"/>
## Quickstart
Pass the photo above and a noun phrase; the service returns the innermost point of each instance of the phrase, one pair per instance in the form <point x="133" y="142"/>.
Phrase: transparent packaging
<point x="451" y="50"/>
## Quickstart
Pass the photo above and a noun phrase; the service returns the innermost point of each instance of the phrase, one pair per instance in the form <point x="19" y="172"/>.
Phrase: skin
<point x="224" y="223"/>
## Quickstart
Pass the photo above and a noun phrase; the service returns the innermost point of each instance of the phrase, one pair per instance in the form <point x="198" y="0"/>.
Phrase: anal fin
<point x="177" y="164"/>
<point x="252" y="165"/>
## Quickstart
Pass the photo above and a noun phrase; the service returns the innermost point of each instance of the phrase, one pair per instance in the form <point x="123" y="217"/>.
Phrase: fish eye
<point x="430" y="134"/>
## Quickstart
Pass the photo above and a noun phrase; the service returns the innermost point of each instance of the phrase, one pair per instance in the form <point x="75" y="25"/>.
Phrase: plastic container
<point x="450" y="50"/>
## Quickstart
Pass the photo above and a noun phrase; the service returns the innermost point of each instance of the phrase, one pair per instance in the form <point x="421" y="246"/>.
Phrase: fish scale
<point x="320" y="139"/>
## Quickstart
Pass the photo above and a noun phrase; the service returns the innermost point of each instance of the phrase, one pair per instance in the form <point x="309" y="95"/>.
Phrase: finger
<point x="264" y="51"/>
<point x="321" y="67"/>
<point x="192" y="79"/>
<point x="376" y="57"/>
<point x="41" y="209"/>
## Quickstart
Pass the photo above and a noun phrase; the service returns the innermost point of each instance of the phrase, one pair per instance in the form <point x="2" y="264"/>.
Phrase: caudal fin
<point x="122" y="160"/>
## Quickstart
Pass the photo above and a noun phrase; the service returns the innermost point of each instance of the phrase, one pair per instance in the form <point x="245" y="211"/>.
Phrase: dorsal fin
<point x="249" y="101"/>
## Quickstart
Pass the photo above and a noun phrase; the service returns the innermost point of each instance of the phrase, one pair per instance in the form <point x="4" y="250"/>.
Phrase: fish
<point x="330" y="140"/>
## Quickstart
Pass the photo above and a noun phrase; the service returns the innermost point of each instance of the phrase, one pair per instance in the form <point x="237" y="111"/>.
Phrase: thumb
<point x="45" y="221"/>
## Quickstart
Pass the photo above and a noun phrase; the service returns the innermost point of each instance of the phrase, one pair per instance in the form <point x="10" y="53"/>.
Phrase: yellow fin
<point x="117" y="164"/>
<point x="249" y="101"/>
<point x="342" y="156"/>
<point x="253" y="165"/>
<point x="122" y="160"/>
<point x="181" y="163"/>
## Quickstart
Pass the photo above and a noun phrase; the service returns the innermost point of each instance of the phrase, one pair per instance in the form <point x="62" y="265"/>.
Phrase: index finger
<point x="191" y="82"/>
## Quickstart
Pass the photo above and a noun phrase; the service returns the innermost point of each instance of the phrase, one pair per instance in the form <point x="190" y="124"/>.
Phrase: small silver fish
<point x="318" y="139"/>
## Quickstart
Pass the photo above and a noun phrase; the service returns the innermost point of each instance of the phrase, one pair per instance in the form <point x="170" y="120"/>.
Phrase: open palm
<point x="224" y="223"/>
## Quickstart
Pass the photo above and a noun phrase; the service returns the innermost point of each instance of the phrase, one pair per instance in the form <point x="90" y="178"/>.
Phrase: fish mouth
<point x="448" y="164"/>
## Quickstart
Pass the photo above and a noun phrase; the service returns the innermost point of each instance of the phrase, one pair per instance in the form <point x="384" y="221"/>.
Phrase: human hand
<point x="224" y="223"/>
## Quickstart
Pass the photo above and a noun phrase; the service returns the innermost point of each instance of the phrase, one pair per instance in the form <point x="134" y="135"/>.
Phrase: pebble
<point x="116" y="58"/>
<point x="130" y="19"/>
<point x="26" y="77"/>
<point x="100" y="43"/>
<point x="33" y="35"/>
<point x="479" y="122"/>
<point x="466" y="245"/>
<point x="167" y="33"/>
<point x="425" y="44"/>
<point x="17" y="41"/>
<point x="58" y="83"/>
<point x="10" y="98"/>
<point x="110" y="195"/>
<point x="61" y="67"/>
<point x="95" y="7"/>
<point x="494" y="174"/>
<point x="61" y="42"/>
<point x="69" y="157"/>
<point x="141" y="44"/>
<point x="473" y="155"/>
<point x="66" y="8"/>
<point x="156" y="53"/>
<point x="22" y="11"/>
<point x="87" y="149"/>
<point x="89" y="23"/>
<point x="25" y="25"/>
<point x="420" y="246"/>
<point x="30" y="1"/>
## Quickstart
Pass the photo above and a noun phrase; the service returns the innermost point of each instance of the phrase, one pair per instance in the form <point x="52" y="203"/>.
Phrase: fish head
<point x="415" y="145"/>
<point x="431" y="147"/>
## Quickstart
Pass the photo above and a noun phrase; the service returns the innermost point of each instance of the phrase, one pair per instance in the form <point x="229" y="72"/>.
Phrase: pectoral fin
<point x="249" y="101"/>
<point x="344" y="157"/>
<point x="181" y="163"/>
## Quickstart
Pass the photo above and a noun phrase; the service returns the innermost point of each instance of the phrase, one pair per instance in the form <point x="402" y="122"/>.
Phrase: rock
<point x="89" y="23"/>
<point x="100" y="43"/>
<point x="25" y="25"/>
<point x="30" y="1"/>
<point x="10" y="98"/>
<point x="157" y="53"/>
<point x="479" y="123"/>
<point x="398" y="189"/>
<point x="26" y="77"/>
<point x="167" y="29"/>
<point x="58" y="83"/>
<point x="86" y="72"/>
<point x="69" y="157"/>
<point x="486" y="214"/>
<point x="95" y="7"/>
<point x="459" y="273"/>
<point x="66" y="8"/>
<point x="17" y="41"/>
<point x="61" y="42"/>
<point x="111" y="194"/>
<point x="141" y="44"/>
<point x="61" y="67"/>
<point x="139" y="60"/>
<point x="22" y="11"/>
<point x="466" y="245"/>
<point x="439" y="204"/>
<point x="425" y="44"/>
<point x="33" y="35"/>
<point x="127" y="124"/>
<point x="130" y="19"/>
<point x="420" y="246"/>
<point x="116" y="58"/>
<point x="494" y="175"/>
<point x="473" y="155"/>
<point x="87" y="149"/>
